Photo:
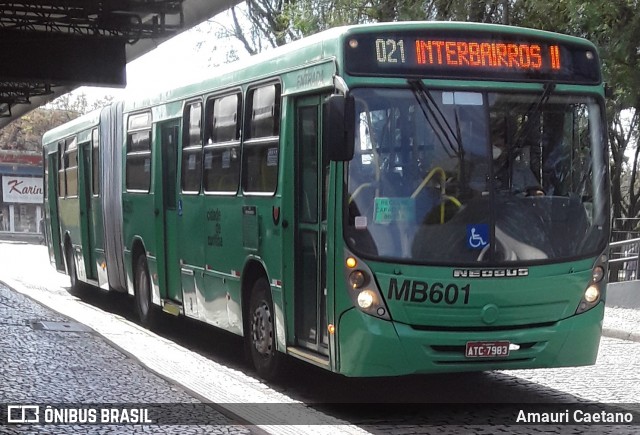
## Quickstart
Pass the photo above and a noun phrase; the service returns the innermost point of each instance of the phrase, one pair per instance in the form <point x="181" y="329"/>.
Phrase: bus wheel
<point x="262" y="334"/>
<point x="71" y="268"/>
<point x="147" y="313"/>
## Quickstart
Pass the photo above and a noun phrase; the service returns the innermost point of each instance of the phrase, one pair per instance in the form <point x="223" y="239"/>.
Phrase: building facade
<point x="21" y="197"/>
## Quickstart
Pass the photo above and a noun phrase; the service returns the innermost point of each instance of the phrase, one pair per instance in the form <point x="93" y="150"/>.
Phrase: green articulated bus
<point x="375" y="200"/>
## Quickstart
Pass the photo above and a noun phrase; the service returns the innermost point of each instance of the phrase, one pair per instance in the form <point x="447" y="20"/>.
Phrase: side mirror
<point x="338" y="119"/>
<point x="608" y="91"/>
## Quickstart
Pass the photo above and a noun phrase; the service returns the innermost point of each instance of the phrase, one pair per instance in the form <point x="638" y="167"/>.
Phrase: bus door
<point x="52" y="220"/>
<point x="311" y="229"/>
<point x="86" y="210"/>
<point x="167" y="214"/>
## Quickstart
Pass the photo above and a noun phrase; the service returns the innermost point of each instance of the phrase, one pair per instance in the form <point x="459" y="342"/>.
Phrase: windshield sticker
<point x="361" y="222"/>
<point x="387" y="210"/>
<point x="462" y="98"/>
<point x="272" y="157"/>
<point x="477" y="236"/>
<point x="226" y="159"/>
<point x="208" y="161"/>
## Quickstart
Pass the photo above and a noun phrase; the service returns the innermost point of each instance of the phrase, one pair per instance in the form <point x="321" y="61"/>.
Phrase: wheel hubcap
<point x="262" y="329"/>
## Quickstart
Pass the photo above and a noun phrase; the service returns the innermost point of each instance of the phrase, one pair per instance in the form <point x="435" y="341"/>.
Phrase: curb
<point x="621" y="334"/>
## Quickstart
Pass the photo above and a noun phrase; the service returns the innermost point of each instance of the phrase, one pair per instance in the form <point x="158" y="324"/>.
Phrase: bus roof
<point x="74" y="126"/>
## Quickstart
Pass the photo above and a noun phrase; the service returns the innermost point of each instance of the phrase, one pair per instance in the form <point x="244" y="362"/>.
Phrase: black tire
<point x="71" y="268"/>
<point x="147" y="312"/>
<point x="261" y="336"/>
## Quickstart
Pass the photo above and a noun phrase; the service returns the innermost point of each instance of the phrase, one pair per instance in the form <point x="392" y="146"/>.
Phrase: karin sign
<point x="25" y="190"/>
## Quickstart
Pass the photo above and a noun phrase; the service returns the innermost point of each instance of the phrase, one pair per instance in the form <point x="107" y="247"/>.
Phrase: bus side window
<point x="138" y="169"/>
<point x="222" y="150"/>
<point x="71" y="166"/>
<point x="95" y="139"/>
<point x="192" y="148"/>
<point x="62" y="180"/>
<point x="261" y="146"/>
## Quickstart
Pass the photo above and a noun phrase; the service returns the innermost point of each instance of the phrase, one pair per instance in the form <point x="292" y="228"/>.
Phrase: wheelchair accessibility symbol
<point x="477" y="236"/>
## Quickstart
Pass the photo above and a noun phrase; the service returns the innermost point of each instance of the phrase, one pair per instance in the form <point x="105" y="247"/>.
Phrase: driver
<point x="511" y="170"/>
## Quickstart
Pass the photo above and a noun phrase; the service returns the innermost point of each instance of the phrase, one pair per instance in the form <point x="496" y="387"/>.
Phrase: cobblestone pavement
<point x="41" y="365"/>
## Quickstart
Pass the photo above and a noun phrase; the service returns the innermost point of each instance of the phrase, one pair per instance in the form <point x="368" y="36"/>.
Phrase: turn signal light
<point x="351" y="262"/>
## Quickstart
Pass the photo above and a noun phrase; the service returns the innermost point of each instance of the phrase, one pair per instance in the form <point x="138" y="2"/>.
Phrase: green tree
<point x="25" y="134"/>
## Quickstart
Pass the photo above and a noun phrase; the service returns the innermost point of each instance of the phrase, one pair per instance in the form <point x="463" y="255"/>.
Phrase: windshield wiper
<point x="525" y="128"/>
<point x="427" y="103"/>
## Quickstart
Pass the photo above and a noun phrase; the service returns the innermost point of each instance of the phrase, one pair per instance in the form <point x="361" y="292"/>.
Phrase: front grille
<point x="481" y="328"/>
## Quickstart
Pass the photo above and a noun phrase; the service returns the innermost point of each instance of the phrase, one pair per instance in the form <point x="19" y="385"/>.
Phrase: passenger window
<point x="62" y="179"/>
<point x="95" y="139"/>
<point x="222" y="150"/>
<point x="71" y="166"/>
<point x="261" y="148"/>
<point x="138" y="167"/>
<point x="192" y="148"/>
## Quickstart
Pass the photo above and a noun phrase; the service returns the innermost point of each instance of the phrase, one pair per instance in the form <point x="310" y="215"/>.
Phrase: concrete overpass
<point x="50" y="47"/>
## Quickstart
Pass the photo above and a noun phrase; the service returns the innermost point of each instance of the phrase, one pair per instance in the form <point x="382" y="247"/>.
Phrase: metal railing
<point x="624" y="260"/>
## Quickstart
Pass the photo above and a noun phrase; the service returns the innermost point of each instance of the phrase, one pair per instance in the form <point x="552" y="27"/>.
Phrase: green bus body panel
<point x="138" y="217"/>
<point x="223" y="260"/>
<point x="69" y="212"/>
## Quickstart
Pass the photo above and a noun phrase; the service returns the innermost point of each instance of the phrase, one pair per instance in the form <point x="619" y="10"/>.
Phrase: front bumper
<point x="374" y="347"/>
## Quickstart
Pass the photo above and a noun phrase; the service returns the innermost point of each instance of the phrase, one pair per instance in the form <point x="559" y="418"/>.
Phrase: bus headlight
<point x="366" y="298"/>
<point x="592" y="294"/>
<point x="363" y="289"/>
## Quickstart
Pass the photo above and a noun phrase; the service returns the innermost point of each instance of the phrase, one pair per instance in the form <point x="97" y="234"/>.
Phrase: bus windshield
<point x="452" y="177"/>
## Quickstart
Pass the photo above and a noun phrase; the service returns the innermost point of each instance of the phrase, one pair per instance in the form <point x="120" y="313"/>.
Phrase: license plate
<point x="487" y="349"/>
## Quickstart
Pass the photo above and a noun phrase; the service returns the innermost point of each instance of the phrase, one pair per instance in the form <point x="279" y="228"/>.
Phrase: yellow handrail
<point x="443" y="178"/>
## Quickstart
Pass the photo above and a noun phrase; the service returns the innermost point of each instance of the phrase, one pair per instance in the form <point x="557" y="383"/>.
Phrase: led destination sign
<point x="478" y="54"/>
<point x="475" y="56"/>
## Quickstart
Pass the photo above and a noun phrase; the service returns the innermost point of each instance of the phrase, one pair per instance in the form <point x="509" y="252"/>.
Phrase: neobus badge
<point x="491" y="273"/>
